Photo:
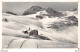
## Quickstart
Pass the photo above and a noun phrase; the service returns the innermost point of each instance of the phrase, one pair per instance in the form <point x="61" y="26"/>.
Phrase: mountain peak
<point x="53" y="12"/>
<point x="50" y="10"/>
<point x="34" y="7"/>
<point x="33" y="10"/>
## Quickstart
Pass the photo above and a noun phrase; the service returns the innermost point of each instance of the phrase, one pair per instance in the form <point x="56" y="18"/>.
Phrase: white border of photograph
<point x="39" y="50"/>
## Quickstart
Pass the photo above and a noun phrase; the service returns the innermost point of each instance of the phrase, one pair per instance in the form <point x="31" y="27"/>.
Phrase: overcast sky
<point x="20" y="7"/>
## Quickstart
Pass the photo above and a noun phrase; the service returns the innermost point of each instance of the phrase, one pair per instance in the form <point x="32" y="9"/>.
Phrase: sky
<point x="20" y="7"/>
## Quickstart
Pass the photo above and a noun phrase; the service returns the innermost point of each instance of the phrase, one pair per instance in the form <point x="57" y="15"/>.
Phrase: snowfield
<point x="17" y="42"/>
<point x="13" y="36"/>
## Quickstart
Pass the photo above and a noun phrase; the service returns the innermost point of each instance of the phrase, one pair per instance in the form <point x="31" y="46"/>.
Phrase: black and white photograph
<point x="39" y="25"/>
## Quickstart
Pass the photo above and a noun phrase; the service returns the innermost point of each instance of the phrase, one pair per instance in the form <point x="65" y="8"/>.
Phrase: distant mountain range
<point x="42" y="11"/>
<point x="49" y="11"/>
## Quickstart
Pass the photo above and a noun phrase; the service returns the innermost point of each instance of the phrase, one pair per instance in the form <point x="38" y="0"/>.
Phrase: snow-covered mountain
<point x="61" y="27"/>
<point x="43" y="11"/>
<point x="33" y="10"/>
